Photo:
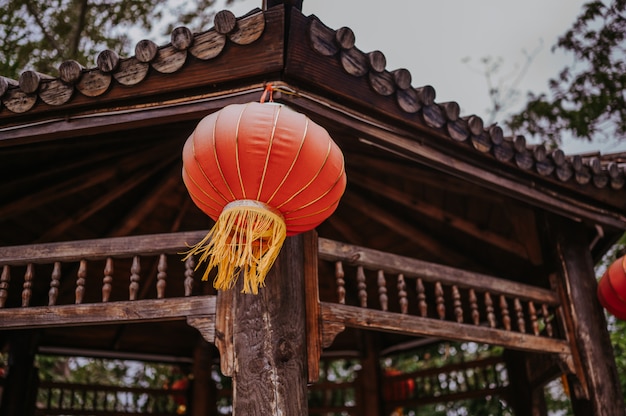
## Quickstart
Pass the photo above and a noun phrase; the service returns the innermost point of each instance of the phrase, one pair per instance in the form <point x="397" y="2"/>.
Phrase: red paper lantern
<point x="262" y="171"/>
<point x="612" y="289"/>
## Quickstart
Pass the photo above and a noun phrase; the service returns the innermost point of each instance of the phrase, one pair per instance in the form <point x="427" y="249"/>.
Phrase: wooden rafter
<point x="416" y="174"/>
<point x="434" y="213"/>
<point x="75" y="184"/>
<point x="426" y="242"/>
<point x="147" y="205"/>
<point x="102" y="202"/>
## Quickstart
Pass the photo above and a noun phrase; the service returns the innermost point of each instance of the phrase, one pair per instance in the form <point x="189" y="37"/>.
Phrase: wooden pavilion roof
<point x="95" y="152"/>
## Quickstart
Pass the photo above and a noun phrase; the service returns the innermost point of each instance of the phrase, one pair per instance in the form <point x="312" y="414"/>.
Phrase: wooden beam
<point x="357" y="317"/>
<point x="599" y="391"/>
<point x="107" y="313"/>
<point x="437" y="214"/>
<point x="269" y="337"/>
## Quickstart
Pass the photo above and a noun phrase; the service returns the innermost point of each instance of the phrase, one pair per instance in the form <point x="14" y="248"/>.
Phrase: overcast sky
<point x="431" y="39"/>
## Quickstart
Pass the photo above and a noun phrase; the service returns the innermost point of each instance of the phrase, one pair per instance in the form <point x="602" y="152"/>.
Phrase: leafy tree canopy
<point x="40" y="34"/>
<point x="587" y="99"/>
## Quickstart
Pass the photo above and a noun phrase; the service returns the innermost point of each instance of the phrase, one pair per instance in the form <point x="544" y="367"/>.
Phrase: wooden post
<point x="204" y="395"/>
<point x="525" y="397"/>
<point x="369" y="377"/>
<point x="598" y="390"/>
<point x="20" y="389"/>
<point x="269" y="340"/>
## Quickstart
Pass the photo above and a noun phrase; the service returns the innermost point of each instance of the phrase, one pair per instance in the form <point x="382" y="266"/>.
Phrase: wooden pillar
<point x="204" y="394"/>
<point x="20" y="390"/>
<point x="525" y="397"/>
<point x="369" y="377"/>
<point x="598" y="389"/>
<point x="269" y="340"/>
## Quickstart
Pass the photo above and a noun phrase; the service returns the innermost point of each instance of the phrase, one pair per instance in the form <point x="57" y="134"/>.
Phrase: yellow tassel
<point x="246" y="238"/>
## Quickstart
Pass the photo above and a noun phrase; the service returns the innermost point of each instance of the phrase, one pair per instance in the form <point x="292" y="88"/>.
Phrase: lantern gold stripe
<point x="330" y="144"/>
<point x="269" y="151"/>
<point x="217" y="161"/>
<point x="193" y="150"/>
<point x="218" y="209"/>
<point x="243" y="189"/>
<point x="321" y="195"/>
<point x="293" y="163"/>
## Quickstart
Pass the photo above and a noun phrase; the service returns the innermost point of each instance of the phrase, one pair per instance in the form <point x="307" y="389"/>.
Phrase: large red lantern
<point x="612" y="288"/>
<point x="263" y="172"/>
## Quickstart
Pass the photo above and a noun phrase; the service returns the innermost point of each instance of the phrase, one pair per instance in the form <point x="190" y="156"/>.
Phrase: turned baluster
<point x="80" y="281"/>
<point x="53" y="293"/>
<point x="107" y="279"/>
<point x="439" y="300"/>
<point x="4" y="284"/>
<point x="135" y="268"/>
<point x="504" y="307"/>
<point x="519" y="311"/>
<point x="458" y="307"/>
<point x="404" y="302"/>
<point x="382" y="291"/>
<point x="474" y="307"/>
<point x="532" y="312"/>
<point x="421" y="298"/>
<point x="161" y="276"/>
<point x="547" y="319"/>
<point x="26" y="289"/>
<point x="360" y="278"/>
<point x="491" y="316"/>
<point x="341" y="283"/>
<point x="190" y="265"/>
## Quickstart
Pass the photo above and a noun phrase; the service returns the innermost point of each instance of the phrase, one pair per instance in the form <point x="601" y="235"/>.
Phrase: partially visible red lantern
<point x="262" y="171"/>
<point x="612" y="289"/>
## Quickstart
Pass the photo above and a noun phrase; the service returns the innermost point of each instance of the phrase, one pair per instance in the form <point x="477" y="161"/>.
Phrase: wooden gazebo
<point x="447" y="231"/>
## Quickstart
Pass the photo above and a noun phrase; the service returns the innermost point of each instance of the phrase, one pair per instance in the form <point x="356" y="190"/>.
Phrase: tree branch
<point x="47" y="36"/>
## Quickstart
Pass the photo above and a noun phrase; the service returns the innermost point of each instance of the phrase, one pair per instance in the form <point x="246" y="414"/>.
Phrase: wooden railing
<point x="105" y="252"/>
<point x="80" y="399"/>
<point x="375" y="290"/>
<point x="449" y="383"/>
<point x="43" y="266"/>
<point x="388" y="292"/>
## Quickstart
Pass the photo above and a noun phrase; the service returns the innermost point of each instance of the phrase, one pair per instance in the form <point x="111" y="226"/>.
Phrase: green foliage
<point x="440" y="354"/>
<point x="587" y="98"/>
<point x="104" y="372"/>
<point x="41" y="34"/>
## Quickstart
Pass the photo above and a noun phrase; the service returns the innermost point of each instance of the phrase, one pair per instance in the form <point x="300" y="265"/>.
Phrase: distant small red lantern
<point x="263" y="172"/>
<point x="612" y="289"/>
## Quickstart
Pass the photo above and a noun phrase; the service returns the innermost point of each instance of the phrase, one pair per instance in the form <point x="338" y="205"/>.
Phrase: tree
<point x="40" y="34"/>
<point x="587" y="99"/>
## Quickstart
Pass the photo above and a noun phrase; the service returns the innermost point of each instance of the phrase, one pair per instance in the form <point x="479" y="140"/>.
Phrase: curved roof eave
<point x="232" y="60"/>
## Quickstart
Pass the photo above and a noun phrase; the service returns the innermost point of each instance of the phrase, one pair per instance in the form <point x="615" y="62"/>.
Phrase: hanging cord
<point x="269" y="92"/>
